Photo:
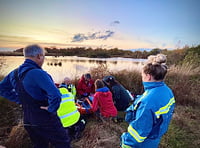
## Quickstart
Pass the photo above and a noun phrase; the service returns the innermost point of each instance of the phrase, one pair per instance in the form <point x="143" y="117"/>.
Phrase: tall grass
<point x="185" y="83"/>
<point x="131" y="80"/>
<point x="184" y="130"/>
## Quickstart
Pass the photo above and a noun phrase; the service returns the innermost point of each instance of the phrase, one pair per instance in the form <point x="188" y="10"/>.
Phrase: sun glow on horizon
<point x="106" y="24"/>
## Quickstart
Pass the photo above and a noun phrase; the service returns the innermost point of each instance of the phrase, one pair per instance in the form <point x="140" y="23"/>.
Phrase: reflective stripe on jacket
<point x="149" y="116"/>
<point x="67" y="111"/>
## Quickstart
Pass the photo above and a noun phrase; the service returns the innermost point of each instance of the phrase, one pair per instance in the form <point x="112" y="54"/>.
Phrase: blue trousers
<point x="41" y="137"/>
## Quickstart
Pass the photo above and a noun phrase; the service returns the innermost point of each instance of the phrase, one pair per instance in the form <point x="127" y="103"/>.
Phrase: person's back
<point x="32" y="87"/>
<point x="103" y="100"/>
<point x="121" y="96"/>
<point x="67" y="111"/>
<point x="151" y="113"/>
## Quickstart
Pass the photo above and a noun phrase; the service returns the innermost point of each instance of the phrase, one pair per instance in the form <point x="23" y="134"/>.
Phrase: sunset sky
<point x="123" y="24"/>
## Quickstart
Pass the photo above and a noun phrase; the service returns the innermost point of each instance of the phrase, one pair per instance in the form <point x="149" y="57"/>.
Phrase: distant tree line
<point x="98" y="53"/>
<point x="186" y="55"/>
<point x="92" y="53"/>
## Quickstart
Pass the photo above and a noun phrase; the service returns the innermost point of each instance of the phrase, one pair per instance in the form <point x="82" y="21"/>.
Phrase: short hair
<point x="33" y="50"/>
<point x="66" y="79"/>
<point x="99" y="84"/>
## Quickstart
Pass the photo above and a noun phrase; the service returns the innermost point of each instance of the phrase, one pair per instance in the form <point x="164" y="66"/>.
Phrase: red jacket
<point x="104" y="102"/>
<point x="84" y="87"/>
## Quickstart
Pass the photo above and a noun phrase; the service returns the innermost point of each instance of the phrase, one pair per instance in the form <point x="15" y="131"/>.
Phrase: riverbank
<point x="184" y="130"/>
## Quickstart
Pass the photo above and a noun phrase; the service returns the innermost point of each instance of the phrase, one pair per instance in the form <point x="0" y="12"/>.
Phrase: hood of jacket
<point x="103" y="89"/>
<point x="150" y="85"/>
<point x="28" y="64"/>
<point x="103" y="92"/>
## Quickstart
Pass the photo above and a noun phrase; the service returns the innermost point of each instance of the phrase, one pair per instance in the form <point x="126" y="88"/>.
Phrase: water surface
<point x="71" y="66"/>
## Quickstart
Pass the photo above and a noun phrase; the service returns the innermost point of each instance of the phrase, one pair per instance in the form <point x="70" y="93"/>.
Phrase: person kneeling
<point x="69" y="115"/>
<point x="102" y="104"/>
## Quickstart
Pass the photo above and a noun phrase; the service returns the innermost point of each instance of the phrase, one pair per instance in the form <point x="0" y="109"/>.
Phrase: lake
<point x="72" y="66"/>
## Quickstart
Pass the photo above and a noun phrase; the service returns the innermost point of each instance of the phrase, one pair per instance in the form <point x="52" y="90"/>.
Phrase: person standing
<point x="151" y="113"/>
<point x="34" y="88"/>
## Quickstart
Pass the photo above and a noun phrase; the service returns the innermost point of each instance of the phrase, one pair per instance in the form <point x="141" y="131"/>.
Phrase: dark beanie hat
<point x="108" y="78"/>
<point x="87" y="75"/>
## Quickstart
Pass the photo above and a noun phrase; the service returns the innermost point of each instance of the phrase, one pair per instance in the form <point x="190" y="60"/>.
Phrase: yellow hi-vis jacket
<point x="67" y="112"/>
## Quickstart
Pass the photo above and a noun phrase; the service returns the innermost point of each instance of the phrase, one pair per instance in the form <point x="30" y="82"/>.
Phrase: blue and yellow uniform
<point x="149" y="116"/>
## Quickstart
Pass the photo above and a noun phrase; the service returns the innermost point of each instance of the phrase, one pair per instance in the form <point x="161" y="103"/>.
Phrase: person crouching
<point x="103" y="104"/>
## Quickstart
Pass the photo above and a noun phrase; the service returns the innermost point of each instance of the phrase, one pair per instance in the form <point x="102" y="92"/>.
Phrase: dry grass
<point x="100" y="71"/>
<point x="184" y="130"/>
<point x="100" y="135"/>
<point x="18" y="138"/>
<point x="131" y="80"/>
<point x="185" y="83"/>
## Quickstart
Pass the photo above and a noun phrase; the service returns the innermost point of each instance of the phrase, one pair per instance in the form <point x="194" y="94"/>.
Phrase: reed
<point x="184" y="130"/>
<point x="185" y="83"/>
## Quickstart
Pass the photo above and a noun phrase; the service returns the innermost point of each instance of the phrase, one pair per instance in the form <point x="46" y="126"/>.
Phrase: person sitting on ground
<point x="68" y="113"/>
<point x="151" y="113"/>
<point x="103" y="103"/>
<point x="121" y="96"/>
<point x="85" y="86"/>
<point x="68" y="84"/>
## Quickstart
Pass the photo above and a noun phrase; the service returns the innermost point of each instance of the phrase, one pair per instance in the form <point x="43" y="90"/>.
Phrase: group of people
<point x="51" y="116"/>
<point x="107" y="96"/>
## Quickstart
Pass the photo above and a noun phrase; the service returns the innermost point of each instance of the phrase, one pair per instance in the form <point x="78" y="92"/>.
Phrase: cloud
<point x="80" y="37"/>
<point x="114" y="23"/>
<point x="15" y="40"/>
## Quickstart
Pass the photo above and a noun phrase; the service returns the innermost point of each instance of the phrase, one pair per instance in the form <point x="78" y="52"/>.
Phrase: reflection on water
<point x="59" y="67"/>
<point x="54" y="64"/>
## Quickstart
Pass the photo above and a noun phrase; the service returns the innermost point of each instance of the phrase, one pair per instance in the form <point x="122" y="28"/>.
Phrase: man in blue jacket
<point x="34" y="88"/>
<point x="150" y="115"/>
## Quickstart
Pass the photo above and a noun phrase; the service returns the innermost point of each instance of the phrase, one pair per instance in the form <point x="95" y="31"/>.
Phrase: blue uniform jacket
<point x="37" y="83"/>
<point x="149" y="116"/>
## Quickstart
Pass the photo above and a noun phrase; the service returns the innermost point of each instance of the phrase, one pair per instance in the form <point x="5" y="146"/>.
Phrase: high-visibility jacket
<point x="149" y="116"/>
<point x="67" y="111"/>
<point x="71" y="88"/>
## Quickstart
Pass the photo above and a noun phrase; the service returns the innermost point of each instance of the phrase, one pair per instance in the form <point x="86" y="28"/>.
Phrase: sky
<point x="123" y="24"/>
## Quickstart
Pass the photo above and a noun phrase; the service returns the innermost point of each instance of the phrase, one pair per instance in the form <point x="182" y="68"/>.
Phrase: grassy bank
<point x="184" y="130"/>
